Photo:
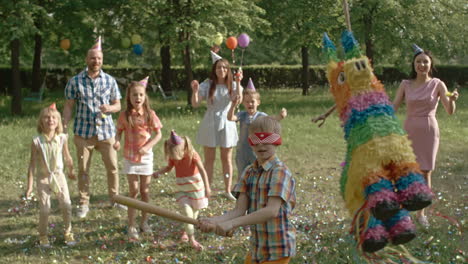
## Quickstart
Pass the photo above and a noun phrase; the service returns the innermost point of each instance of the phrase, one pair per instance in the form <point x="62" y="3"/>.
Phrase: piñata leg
<point x="382" y="200"/>
<point x="413" y="192"/>
<point x="400" y="228"/>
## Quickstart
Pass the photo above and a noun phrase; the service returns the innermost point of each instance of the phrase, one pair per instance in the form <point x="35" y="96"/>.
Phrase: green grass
<point x="313" y="155"/>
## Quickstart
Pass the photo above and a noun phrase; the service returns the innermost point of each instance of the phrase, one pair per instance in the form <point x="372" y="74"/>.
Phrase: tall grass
<point x="313" y="154"/>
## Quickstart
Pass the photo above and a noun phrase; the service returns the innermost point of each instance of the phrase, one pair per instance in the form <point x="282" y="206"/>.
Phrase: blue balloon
<point x="138" y="49"/>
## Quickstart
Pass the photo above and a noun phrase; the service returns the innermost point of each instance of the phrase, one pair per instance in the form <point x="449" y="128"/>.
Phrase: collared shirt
<point x="138" y="135"/>
<point x="275" y="238"/>
<point x="89" y="94"/>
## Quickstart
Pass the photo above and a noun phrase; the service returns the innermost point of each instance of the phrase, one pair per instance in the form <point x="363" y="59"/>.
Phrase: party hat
<point x="417" y="49"/>
<point x="144" y="82"/>
<point x="175" y="139"/>
<point x="97" y="44"/>
<point x="215" y="57"/>
<point x="250" y="85"/>
<point x="53" y="106"/>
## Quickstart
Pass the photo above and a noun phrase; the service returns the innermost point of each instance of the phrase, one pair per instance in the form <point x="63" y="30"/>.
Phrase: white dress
<point x="215" y="129"/>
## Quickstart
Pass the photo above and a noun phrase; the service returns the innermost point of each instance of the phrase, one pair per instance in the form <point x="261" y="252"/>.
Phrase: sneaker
<point x="145" y="228"/>
<point x="44" y="242"/>
<point x="69" y="239"/>
<point x="422" y="219"/>
<point x="230" y="196"/>
<point x="133" y="233"/>
<point x="119" y="206"/>
<point x="82" y="211"/>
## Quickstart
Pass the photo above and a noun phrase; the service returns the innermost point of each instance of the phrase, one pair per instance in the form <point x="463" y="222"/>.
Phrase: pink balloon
<point x="243" y="40"/>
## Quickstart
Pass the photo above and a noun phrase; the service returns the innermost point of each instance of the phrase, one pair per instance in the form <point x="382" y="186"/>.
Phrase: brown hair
<point x="178" y="152"/>
<point x="214" y="78"/>
<point x="51" y="111"/>
<point x="413" y="73"/>
<point x="146" y="105"/>
<point x="252" y="93"/>
<point x="265" y="124"/>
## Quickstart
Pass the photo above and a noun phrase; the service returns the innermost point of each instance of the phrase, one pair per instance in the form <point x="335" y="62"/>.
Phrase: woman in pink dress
<point x="422" y="93"/>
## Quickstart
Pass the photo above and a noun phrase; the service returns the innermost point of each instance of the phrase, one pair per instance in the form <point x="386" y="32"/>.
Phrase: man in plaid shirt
<point x="97" y="96"/>
<point x="266" y="197"/>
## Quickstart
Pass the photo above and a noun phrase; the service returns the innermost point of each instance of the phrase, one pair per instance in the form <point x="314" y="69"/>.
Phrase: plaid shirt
<point x="89" y="95"/>
<point x="276" y="238"/>
<point x="138" y="135"/>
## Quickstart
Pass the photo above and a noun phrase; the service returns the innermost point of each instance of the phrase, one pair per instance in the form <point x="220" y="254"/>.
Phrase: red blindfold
<point x="264" y="138"/>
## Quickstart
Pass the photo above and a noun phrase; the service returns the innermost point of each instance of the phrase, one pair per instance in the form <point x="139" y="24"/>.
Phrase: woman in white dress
<point x="215" y="129"/>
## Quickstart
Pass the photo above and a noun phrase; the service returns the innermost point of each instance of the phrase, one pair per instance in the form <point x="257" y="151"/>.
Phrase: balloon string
<point x="242" y="57"/>
<point x="233" y="59"/>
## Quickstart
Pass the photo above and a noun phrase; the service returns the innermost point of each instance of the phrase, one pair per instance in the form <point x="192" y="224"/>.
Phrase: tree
<point x="17" y="24"/>
<point x="299" y="25"/>
<point x="390" y="27"/>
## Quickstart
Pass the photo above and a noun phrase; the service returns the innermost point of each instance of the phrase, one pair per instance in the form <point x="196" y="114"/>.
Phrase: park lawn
<point x="313" y="155"/>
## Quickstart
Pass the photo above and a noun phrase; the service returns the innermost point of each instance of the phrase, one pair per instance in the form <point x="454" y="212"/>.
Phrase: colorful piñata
<point x="381" y="180"/>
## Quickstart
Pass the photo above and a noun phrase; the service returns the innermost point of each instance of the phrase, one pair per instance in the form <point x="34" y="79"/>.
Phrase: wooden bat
<point x="153" y="209"/>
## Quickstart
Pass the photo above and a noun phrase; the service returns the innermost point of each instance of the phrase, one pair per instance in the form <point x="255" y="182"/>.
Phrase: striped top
<point x="138" y="135"/>
<point x="275" y="238"/>
<point x="185" y="167"/>
<point x="90" y="94"/>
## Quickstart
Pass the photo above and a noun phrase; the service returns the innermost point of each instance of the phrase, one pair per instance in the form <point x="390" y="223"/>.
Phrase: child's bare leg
<point x="144" y="192"/>
<point x="210" y="155"/>
<point x="133" y="193"/>
<point x="226" y="161"/>
<point x="194" y="243"/>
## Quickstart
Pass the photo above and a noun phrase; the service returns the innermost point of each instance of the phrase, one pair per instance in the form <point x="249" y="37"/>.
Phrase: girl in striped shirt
<point x="193" y="188"/>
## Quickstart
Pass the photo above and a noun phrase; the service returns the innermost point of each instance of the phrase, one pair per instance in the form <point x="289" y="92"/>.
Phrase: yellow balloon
<point x="136" y="39"/>
<point x="218" y="39"/>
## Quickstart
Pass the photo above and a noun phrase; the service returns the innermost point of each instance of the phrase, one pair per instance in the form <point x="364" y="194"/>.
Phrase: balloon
<point x="65" y="44"/>
<point x="136" y="39"/>
<point x="218" y="39"/>
<point x="231" y="43"/>
<point x="243" y="40"/>
<point x="138" y="49"/>
<point x="125" y="42"/>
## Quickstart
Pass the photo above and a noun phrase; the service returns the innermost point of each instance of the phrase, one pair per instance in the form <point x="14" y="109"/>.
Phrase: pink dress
<point x="421" y="123"/>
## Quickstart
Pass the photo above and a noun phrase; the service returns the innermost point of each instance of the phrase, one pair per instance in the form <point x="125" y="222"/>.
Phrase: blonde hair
<point x="178" y="152"/>
<point x="265" y="124"/>
<point x="49" y="111"/>
<point x="249" y="92"/>
<point x="146" y="105"/>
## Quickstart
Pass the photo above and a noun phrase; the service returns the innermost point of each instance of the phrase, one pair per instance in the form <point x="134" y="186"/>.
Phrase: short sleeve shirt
<point x="89" y="94"/>
<point x="276" y="238"/>
<point x="139" y="134"/>
<point x="185" y="167"/>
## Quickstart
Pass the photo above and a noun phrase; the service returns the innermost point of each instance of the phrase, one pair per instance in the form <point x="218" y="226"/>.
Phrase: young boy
<point x="251" y="100"/>
<point x="266" y="191"/>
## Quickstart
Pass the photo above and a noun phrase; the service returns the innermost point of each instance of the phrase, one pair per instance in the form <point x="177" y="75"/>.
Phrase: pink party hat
<point x="97" y="44"/>
<point x="175" y="139"/>
<point x="215" y="57"/>
<point x="144" y="82"/>
<point x="53" y="106"/>
<point x="250" y="85"/>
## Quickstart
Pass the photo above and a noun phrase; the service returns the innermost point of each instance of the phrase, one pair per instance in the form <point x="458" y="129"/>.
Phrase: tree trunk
<point x="368" y="37"/>
<point x="188" y="71"/>
<point x="36" y="70"/>
<point x="305" y="70"/>
<point x="166" y="72"/>
<point x="15" y="72"/>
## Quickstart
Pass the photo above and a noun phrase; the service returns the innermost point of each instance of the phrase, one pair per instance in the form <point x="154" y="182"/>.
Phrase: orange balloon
<point x="231" y="42"/>
<point x="65" y="44"/>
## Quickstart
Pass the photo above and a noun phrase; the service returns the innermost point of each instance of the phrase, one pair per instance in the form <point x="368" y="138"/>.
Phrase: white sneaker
<point x="82" y="211"/>
<point x="133" y="233"/>
<point x="230" y="196"/>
